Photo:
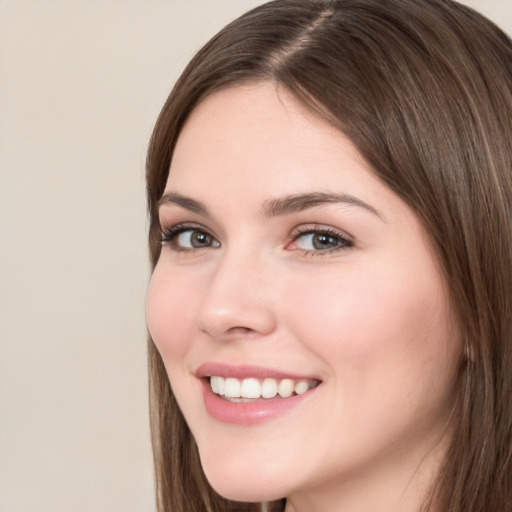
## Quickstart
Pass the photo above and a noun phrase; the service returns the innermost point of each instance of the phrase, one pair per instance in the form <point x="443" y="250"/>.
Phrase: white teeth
<point x="231" y="388"/>
<point x="221" y="386"/>
<point x="301" y="387"/>
<point x="217" y="384"/>
<point x="269" y="388"/>
<point x="285" y="388"/>
<point x="252" y="388"/>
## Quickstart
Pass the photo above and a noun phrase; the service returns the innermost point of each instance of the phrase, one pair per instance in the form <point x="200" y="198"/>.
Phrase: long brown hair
<point x="423" y="88"/>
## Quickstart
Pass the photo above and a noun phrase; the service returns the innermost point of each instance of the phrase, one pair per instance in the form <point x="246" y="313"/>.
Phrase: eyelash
<point x="344" y="242"/>
<point x="169" y="237"/>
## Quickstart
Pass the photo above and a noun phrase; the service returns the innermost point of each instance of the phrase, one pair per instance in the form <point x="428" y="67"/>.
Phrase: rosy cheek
<point x="333" y="315"/>
<point x="165" y="318"/>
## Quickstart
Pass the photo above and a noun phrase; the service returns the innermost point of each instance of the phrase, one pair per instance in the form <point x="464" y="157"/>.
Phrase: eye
<point x="185" y="238"/>
<point x="194" y="239"/>
<point x="319" y="240"/>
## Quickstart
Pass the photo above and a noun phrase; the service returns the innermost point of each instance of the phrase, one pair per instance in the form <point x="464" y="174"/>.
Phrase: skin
<point x="370" y="319"/>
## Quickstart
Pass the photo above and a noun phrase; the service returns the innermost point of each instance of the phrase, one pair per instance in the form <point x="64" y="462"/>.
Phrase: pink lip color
<point x="246" y="371"/>
<point x="247" y="413"/>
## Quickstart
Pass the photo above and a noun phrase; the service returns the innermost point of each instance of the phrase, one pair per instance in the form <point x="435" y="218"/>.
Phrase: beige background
<point x="81" y="83"/>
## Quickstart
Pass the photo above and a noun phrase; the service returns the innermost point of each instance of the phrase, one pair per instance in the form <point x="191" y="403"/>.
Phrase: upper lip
<point x="246" y="371"/>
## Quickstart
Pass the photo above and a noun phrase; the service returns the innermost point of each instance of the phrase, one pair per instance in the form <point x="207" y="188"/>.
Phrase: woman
<point x="329" y="188"/>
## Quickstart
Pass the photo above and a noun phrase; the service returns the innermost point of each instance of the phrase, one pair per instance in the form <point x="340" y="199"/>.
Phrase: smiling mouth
<point x="243" y="390"/>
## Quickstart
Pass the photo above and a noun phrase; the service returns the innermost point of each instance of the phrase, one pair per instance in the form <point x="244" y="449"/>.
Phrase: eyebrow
<point x="300" y="202"/>
<point x="185" y="202"/>
<point x="275" y="207"/>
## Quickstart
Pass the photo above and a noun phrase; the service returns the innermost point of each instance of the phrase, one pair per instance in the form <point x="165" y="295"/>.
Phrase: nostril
<point x="240" y="330"/>
<point x="235" y="332"/>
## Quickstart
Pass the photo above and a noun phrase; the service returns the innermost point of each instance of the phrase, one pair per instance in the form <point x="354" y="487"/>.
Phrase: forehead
<point x="263" y="136"/>
<point x="253" y="114"/>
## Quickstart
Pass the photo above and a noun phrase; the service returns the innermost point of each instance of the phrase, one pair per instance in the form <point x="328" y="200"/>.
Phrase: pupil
<point x="324" y="241"/>
<point x="200" y="239"/>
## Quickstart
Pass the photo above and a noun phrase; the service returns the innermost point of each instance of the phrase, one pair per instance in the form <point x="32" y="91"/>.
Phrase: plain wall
<point x="81" y="84"/>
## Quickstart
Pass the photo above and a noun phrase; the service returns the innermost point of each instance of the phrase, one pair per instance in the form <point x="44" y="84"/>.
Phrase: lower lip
<point x="249" y="413"/>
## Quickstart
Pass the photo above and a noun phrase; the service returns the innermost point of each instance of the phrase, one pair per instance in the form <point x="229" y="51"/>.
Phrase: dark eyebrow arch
<point x="300" y="202"/>
<point x="185" y="202"/>
<point x="275" y="207"/>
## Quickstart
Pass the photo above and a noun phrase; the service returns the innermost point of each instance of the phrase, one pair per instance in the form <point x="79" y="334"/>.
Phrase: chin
<point x="238" y="482"/>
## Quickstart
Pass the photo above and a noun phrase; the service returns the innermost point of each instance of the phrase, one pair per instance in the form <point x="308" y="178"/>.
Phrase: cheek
<point x="342" y="312"/>
<point x="390" y="357"/>
<point x="171" y="307"/>
<point x="368" y="325"/>
<point x="169" y="314"/>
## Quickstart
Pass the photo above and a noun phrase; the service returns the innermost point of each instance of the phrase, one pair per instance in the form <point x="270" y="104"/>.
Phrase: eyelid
<point x="170" y="233"/>
<point x="319" y="227"/>
<point x="347" y="241"/>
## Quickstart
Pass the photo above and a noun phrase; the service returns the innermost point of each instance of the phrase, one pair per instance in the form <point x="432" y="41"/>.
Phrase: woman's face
<point x="288" y="267"/>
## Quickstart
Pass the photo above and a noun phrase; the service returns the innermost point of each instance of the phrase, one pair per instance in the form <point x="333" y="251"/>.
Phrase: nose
<point x="239" y="300"/>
